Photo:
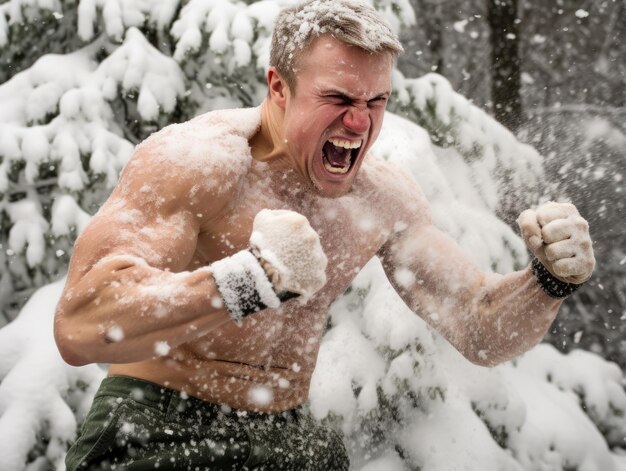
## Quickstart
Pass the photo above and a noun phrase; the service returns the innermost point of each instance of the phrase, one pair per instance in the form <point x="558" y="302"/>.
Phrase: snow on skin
<point x="81" y="88"/>
<point x="404" y="277"/>
<point x="161" y="348"/>
<point x="115" y="333"/>
<point x="205" y="145"/>
<point x="261" y="395"/>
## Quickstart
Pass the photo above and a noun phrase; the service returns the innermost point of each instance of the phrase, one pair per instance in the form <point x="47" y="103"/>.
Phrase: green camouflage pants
<point x="135" y="425"/>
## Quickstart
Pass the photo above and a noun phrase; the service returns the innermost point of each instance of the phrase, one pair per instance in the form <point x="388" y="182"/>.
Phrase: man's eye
<point x="381" y="101"/>
<point x="338" y="99"/>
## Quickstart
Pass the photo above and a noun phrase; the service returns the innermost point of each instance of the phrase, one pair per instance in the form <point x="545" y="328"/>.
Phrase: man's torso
<point x="265" y="362"/>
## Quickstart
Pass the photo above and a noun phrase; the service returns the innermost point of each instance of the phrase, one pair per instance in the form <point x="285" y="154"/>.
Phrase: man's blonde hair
<point x="352" y="22"/>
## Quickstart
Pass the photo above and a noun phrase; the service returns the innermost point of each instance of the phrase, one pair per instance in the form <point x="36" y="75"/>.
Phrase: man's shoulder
<point x="392" y="192"/>
<point x="389" y="179"/>
<point x="205" y="139"/>
<point x="211" y="149"/>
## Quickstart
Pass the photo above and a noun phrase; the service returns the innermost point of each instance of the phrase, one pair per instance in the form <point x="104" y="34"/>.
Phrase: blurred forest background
<point x="552" y="72"/>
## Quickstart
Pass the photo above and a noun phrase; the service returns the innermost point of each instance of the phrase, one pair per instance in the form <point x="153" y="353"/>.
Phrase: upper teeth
<point x="345" y="144"/>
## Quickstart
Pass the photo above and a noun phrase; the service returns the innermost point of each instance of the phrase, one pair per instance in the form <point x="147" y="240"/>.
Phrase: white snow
<point x="28" y="229"/>
<point x="261" y="395"/>
<point x="580" y="13"/>
<point x="161" y="348"/>
<point x="115" y="333"/>
<point x="73" y="84"/>
<point x="313" y="16"/>
<point x="39" y="392"/>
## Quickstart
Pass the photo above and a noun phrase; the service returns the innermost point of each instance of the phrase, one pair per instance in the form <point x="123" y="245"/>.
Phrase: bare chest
<point x="351" y="229"/>
<point x="351" y="232"/>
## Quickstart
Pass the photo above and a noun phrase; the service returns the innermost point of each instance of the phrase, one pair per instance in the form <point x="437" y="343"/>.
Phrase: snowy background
<point x="82" y="82"/>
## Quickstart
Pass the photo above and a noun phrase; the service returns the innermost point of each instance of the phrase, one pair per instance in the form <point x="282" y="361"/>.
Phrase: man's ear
<point x="277" y="87"/>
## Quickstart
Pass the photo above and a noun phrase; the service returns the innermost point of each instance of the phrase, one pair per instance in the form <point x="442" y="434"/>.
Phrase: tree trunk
<point x="505" y="62"/>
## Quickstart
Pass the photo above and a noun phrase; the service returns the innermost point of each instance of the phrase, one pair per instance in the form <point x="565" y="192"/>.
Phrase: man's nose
<point x="357" y="119"/>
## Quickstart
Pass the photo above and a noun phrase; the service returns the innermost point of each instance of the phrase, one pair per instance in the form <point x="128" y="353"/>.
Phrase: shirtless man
<point x="205" y="279"/>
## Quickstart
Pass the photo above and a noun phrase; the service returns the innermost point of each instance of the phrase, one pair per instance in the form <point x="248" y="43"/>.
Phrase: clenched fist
<point x="290" y="251"/>
<point x="559" y="237"/>
<point x="285" y="259"/>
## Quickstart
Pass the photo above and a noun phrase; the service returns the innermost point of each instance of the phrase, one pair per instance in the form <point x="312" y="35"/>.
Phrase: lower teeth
<point x="338" y="170"/>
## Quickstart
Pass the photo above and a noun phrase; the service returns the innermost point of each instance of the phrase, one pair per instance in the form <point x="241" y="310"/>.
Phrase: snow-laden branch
<point x="59" y="124"/>
<point x="41" y="397"/>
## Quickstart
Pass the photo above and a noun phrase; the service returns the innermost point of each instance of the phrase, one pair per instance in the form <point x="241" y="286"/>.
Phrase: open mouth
<point x="339" y="155"/>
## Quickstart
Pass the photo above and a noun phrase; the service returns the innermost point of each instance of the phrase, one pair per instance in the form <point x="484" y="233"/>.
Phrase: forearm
<point x="489" y="318"/>
<point x="123" y="311"/>
<point x="510" y="315"/>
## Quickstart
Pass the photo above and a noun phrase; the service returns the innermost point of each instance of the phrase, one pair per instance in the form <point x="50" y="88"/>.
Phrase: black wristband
<point x="287" y="295"/>
<point x="551" y="285"/>
<point x="243" y="285"/>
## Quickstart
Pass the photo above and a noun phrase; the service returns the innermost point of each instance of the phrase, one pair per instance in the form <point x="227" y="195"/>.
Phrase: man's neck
<point x="268" y="144"/>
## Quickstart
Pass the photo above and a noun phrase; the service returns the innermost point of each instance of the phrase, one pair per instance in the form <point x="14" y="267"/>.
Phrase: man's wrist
<point x="243" y="285"/>
<point x="550" y="284"/>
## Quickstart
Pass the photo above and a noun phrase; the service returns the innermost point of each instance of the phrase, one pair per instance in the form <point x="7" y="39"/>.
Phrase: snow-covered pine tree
<point x="69" y="122"/>
<point x="85" y="80"/>
<point x="91" y="78"/>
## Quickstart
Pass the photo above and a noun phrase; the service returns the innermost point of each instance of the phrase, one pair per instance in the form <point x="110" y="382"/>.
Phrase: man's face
<point x="336" y="112"/>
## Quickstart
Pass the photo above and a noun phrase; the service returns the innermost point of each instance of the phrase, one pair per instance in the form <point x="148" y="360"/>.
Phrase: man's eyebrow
<point x="346" y="96"/>
<point x="335" y="92"/>
<point x="381" y="95"/>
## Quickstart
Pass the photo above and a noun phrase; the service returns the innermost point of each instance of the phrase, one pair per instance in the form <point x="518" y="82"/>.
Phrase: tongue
<point x="337" y="156"/>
